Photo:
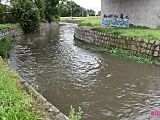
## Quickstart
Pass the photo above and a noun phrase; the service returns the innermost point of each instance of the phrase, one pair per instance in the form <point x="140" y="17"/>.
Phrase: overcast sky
<point x="89" y="4"/>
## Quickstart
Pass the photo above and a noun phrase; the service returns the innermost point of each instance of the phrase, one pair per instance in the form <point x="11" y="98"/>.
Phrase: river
<point x="104" y="86"/>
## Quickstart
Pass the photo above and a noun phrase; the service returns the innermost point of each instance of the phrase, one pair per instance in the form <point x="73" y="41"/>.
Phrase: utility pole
<point x="82" y="12"/>
<point x="71" y="10"/>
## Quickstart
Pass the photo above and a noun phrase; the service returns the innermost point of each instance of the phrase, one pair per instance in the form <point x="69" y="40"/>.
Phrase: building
<point x="140" y="12"/>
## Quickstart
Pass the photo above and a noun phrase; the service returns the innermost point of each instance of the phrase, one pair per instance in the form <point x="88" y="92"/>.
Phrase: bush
<point x="30" y="18"/>
<point x="5" y="46"/>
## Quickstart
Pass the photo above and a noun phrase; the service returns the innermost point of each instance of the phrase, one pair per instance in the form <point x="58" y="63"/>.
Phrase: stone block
<point x="133" y="47"/>
<point x="61" y="116"/>
<point x="53" y="110"/>
<point x="143" y="50"/>
<point x="157" y="43"/>
<point x="147" y="52"/>
<point x="151" y="41"/>
<point x="157" y="48"/>
<point x="155" y="53"/>
<point x="146" y="41"/>
<point x="138" y="39"/>
<point x="144" y="45"/>
<point x="119" y="37"/>
<point x="149" y="46"/>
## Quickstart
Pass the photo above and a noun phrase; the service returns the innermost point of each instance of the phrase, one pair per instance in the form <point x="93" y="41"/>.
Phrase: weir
<point x="140" y="12"/>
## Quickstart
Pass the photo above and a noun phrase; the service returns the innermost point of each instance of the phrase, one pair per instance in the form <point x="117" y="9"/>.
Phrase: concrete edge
<point x="52" y="112"/>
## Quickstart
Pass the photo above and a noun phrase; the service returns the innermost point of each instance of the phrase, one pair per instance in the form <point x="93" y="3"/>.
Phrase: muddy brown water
<point x="104" y="86"/>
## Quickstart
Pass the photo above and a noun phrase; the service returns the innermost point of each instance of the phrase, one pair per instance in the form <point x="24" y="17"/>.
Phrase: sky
<point x="90" y="4"/>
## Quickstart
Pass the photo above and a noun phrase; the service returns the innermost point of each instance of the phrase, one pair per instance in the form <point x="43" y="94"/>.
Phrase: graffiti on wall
<point x="115" y="20"/>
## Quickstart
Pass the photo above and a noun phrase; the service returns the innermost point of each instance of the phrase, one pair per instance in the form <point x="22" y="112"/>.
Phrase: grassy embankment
<point x="6" y="26"/>
<point x="83" y="21"/>
<point x="15" y="103"/>
<point x="135" y="32"/>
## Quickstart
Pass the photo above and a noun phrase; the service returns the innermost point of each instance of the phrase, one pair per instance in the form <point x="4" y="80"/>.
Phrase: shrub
<point x="5" y="46"/>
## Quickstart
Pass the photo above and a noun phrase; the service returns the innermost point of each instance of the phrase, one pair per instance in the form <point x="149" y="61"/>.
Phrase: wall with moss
<point x="136" y="46"/>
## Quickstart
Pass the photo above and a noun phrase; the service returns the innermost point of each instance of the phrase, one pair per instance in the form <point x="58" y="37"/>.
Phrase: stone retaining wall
<point x="17" y="31"/>
<point x="11" y="32"/>
<point x="136" y="46"/>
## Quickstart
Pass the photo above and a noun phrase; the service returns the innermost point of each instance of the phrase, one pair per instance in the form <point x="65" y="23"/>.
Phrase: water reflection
<point x="106" y="87"/>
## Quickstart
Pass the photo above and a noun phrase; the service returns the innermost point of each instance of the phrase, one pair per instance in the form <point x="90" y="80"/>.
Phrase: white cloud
<point x="89" y="4"/>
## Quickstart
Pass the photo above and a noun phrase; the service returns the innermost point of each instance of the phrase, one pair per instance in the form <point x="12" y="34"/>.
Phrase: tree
<point x="1" y="13"/>
<point x="73" y="9"/>
<point x="29" y="12"/>
<point x="91" y="12"/>
<point x="30" y="18"/>
<point x="99" y="13"/>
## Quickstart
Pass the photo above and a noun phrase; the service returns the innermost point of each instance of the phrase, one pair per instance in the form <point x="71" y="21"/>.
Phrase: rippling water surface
<point x="105" y="87"/>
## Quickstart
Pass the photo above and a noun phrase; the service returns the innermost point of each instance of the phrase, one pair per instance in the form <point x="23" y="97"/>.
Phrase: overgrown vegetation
<point x="30" y="12"/>
<point x="5" y="46"/>
<point x="73" y="115"/>
<point x="7" y="26"/>
<point x="135" y="32"/>
<point x="115" y="52"/>
<point x="15" y="104"/>
<point x="127" y="55"/>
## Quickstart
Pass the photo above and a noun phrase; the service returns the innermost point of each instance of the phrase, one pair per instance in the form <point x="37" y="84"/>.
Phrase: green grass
<point x="124" y="54"/>
<point x="15" y="104"/>
<point x="6" y="26"/>
<point x="84" y="21"/>
<point x="90" y="21"/>
<point x="115" y="52"/>
<point x="135" y="32"/>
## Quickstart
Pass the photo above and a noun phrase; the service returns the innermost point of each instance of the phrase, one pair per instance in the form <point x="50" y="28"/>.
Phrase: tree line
<point x="70" y="8"/>
<point x="29" y="13"/>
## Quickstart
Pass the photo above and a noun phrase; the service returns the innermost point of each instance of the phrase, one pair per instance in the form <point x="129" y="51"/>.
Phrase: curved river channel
<point x="104" y="86"/>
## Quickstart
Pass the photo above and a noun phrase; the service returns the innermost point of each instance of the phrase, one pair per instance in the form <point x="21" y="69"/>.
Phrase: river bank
<point x="15" y="102"/>
<point x="121" y="45"/>
<point x="42" y="109"/>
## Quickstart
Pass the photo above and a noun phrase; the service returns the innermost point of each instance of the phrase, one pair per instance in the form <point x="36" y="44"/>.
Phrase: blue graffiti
<point x="106" y="22"/>
<point x="113" y="20"/>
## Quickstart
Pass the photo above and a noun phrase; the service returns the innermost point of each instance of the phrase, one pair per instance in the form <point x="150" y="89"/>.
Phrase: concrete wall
<point x="139" y="47"/>
<point x="140" y="12"/>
